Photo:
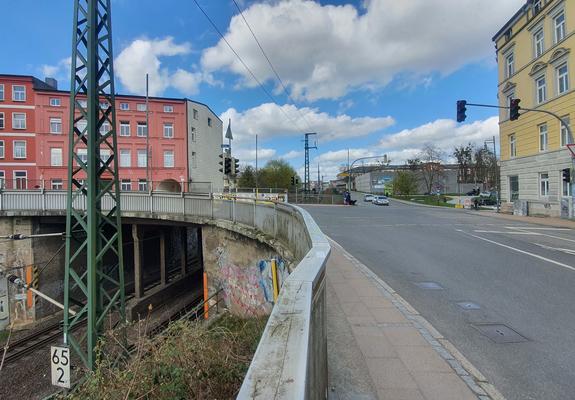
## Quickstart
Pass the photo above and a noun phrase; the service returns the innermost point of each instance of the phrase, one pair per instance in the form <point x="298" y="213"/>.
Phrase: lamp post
<point x="492" y="141"/>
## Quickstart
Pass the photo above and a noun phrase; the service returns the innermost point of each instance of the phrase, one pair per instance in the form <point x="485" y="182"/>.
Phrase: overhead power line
<point x="243" y="63"/>
<point x="302" y="115"/>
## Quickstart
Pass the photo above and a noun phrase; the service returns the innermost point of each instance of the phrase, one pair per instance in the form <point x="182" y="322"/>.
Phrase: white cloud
<point x="269" y="120"/>
<point x="248" y="155"/>
<point x="324" y="51"/>
<point x="290" y="155"/>
<point x="144" y="56"/>
<point x="60" y="71"/>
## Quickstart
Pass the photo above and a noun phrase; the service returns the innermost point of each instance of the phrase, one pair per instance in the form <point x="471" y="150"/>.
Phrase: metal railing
<point x="291" y="359"/>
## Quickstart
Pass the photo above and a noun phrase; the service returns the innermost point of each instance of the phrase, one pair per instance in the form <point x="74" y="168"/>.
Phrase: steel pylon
<point x="94" y="271"/>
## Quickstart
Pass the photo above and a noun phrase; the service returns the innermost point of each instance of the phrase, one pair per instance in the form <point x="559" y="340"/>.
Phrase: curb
<point x="412" y="203"/>
<point x="472" y="377"/>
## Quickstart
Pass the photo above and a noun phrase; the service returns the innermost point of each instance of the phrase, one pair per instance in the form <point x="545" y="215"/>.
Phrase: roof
<point x="512" y="21"/>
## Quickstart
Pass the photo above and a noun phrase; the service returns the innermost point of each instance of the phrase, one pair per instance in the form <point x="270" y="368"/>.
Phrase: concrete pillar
<point x="138" y="281"/>
<point x="162" y="258"/>
<point x="184" y="238"/>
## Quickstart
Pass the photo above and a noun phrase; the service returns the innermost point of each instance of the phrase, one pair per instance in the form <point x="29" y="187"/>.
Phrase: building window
<point x="541" y="86"/>
<point x="512" y="146"/>
<point x="105" y="155"/>
<point x="543" y="137"/>
<point x="18" y="121"/>
<point x="20" y="180"/>
<point x="509" y="65"/>
<point x="56" y="157"/>
<point x="142" y="185"/>
<point x="565" y="186"/>
<point x="544" y="184"/>
<point x="169" y="130"/>
<point x="559" y="22"/>
<point x="169" y="159"/>
<point x="83" y="155"/>
<point x="509" y="99"/>
<point x="142" y="129"/>
<point x="2" y="120"/>
<point x="562" y="79"/>
<point x="2" y="149"/>
<point x="57" y="184"/>
<point x="83" y="103"/>
<point x="539" y="42"/>
<point x="19" y="149"/>
<point x="55" y="102"/>
<point x="194" y="160"/>
<point x="195" y="114"/>
<point x="105" y="128"/>
<point x="126" y="185"/>
<point x="2" y="92"/>
<point x="141" y="107"/>
<point x="565" y="138"/>
<point x="55" y="125"/>
<point x="193" y="134"/>
<point x="124" y="128"/>
<point x="142" y="159"/>
<point x="104" y="105"/>
<point x="513" y="188"/>
<point x="125" y="158"/>
<point x="18" y="93"/>
<point x="82" y="125"/>
<point x="2" y="180"/>
<point x="536" y="7"/>
<point x="209" y="121"/>
<point x="168" y="108"/>
<point x="124" y="106"/>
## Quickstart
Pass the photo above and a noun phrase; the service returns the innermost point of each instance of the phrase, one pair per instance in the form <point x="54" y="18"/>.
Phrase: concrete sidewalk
<point x="379" y="347"/>
<point x="546" y="221"/>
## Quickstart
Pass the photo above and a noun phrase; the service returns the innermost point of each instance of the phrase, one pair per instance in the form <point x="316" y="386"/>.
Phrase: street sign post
<point x="60" y="361"/>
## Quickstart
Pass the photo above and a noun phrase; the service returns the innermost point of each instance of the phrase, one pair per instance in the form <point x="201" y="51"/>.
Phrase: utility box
<point x="521" y="208"/>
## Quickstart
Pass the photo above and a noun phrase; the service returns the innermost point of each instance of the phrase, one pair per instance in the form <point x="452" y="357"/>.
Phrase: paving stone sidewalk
<point x="379" y="347"/>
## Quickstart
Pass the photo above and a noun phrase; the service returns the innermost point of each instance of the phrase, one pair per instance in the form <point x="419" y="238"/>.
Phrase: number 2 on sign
<point x="60" y="360"/>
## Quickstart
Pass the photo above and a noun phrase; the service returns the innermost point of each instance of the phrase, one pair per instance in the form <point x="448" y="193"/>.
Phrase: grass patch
<point x="432" y="200"/>
<point x="187" y="361"/>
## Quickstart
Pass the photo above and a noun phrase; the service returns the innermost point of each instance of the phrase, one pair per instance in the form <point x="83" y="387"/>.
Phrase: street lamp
<point x="349" y="167"/>
<point x="496" y="171"/>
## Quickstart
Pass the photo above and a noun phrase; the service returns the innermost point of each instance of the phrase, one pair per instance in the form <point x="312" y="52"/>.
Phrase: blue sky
<point x="374" y="76"/>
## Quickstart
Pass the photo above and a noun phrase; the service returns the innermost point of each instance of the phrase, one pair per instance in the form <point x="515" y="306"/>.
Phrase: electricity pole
<point x="306" y="182"/>
<point x="94" y="270"/>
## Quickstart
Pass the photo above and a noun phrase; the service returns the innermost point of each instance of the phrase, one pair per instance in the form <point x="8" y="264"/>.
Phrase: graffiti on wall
<point x="248" y="289"/>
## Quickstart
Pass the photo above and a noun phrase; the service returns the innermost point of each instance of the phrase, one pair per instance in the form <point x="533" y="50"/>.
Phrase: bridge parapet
<point x="291" y="359"/>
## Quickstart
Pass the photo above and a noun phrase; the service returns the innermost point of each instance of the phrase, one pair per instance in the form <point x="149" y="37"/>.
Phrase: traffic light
<point x="228" y="166"/>
<point x="293" y="180"/>
<point x="236" y="166"/>
<point x="461" y="110"/>
<point x="222" y="163"/>
<point x="566" y="174"/>
<point x="514" y="109"/>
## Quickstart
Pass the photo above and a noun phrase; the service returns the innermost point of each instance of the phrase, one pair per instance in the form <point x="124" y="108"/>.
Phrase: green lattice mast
<point x="94" y="277"/>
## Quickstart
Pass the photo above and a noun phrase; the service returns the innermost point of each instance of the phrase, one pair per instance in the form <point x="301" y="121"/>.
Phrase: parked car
<point x="380" y="200"/>
<point x="368" y="197"/>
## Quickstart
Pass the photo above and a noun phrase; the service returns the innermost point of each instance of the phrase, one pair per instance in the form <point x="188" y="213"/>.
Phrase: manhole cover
<point x="468" y="305"/>
<point x="500" y="333"/>
<point x="429" y="285"/>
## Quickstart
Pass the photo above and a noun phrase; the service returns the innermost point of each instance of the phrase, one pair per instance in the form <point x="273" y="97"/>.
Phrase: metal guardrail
<point x="291" y="359"/>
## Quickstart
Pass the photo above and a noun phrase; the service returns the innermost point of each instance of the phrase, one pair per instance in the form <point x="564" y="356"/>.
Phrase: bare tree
<point x="430" y="166"/>
<point x="464" y="156"/>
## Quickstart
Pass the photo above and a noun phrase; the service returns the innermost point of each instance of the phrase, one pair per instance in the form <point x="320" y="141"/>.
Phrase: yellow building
<point x="536" y="59"/>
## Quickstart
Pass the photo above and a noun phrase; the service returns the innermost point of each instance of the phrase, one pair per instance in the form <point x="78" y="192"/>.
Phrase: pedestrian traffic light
<point x="236" y="166"/>
<point x="566" y="174"/>
<point x="228" y="166"/>
<point x="461" y="110"/>
<point x="222" y="163"/>
<point x="514" y="109"/>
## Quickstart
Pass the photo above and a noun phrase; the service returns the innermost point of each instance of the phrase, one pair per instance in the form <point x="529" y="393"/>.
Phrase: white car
<point x="368" y="197"/>
<point x="380" y="200"/>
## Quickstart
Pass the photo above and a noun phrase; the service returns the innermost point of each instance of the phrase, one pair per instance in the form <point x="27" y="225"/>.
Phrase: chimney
<point x="52" y="82"/>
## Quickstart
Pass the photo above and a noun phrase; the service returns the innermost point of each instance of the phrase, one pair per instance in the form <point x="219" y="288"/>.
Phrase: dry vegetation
<point x="187" y="361"/>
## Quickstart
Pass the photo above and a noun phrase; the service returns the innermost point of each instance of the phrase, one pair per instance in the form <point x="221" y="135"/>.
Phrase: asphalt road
<point x="519" y="275"/>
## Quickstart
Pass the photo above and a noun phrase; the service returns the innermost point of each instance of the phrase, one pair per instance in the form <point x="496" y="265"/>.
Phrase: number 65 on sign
<point x="60" y="360"/>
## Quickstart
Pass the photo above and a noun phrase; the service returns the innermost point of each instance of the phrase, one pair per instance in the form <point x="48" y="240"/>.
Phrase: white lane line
<point x="568" y="251"/>
<point x="509" y="233"/>
<point x="547" y="235"/>
<point x="519" y="250"/>
<point x="538" y="229"/>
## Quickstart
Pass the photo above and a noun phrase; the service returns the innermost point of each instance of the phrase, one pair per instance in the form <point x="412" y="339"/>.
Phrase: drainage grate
<point x="500" y="333"/>
<point x="429" y="285"/>
<point x="468" y="305"/>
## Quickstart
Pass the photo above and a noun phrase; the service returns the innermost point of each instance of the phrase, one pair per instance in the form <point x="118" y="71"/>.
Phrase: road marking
<point x="568" y="251"/>
<point x="540" y="229"/>
<point x="509" y="233"/>
<point x="545" y="234"/>
<point x="519" y="250"/>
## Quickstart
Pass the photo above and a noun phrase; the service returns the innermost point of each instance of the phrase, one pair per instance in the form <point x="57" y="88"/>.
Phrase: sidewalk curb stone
<point x="474" y="379"/>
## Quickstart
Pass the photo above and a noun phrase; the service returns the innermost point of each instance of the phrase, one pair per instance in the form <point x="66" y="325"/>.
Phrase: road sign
<point x="571" y="147"/>
<point x="60" y="360"/>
